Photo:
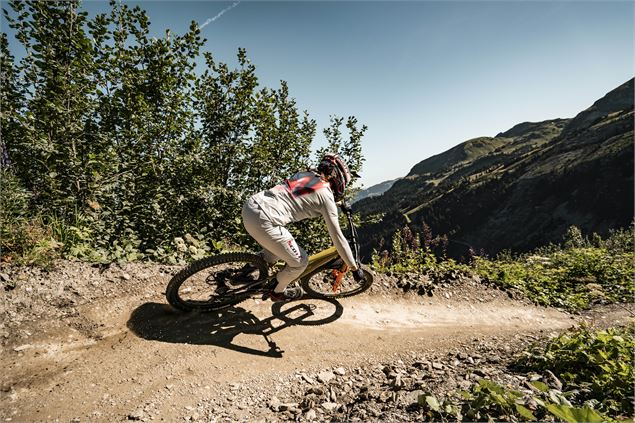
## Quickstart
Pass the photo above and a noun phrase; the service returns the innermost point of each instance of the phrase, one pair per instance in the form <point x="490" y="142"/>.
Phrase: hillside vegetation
<point x="521" y="189"/>
<point x="579" y="272"/>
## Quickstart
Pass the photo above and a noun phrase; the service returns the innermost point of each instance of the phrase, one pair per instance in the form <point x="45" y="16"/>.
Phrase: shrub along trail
<point x="90" y="343"/>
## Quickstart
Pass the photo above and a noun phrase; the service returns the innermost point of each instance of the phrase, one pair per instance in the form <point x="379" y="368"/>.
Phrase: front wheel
<point x="216" y="282"/>
<point x="322" y="284"/>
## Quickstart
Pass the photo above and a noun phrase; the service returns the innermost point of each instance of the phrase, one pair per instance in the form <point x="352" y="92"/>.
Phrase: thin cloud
<point x="221" y="13"/>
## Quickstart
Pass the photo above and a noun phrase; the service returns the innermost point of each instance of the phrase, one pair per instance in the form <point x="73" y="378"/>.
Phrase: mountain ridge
<point x="522" y="188"/>
<point x="374" y="190"/>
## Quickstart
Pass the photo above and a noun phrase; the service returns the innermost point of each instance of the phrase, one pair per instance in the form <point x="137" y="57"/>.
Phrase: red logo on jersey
<point x="303" y="183"/>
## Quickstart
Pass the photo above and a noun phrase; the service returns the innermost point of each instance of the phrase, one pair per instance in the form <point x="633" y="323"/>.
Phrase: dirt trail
<point x="123" y="353"/>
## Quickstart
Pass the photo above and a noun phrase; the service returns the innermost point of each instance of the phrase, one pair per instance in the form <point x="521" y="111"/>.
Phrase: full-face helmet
<point x="333" y="167"/>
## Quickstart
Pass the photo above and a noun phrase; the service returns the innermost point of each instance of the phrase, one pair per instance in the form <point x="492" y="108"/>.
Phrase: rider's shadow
<point x="159" y="322"/>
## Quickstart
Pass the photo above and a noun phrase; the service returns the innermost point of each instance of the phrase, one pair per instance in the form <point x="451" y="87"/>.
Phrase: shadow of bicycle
<point x="160" y="322"/>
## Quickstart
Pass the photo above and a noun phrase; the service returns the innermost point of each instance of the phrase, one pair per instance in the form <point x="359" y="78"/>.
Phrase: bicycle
<point x="235" y="277"/>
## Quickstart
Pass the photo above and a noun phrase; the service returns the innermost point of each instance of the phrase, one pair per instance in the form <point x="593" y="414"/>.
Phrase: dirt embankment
<point x="91" y="343"/>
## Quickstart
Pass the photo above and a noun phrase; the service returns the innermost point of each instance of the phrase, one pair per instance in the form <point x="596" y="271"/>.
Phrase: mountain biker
<point x="304" y="195"/>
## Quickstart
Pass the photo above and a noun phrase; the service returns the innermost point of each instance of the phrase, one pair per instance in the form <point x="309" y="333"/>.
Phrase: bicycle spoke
<point x="217" y="282"/>
<point x="324" y="283"/>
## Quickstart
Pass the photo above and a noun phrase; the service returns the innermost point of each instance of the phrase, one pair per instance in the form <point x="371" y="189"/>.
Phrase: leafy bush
<point x="619" y="240"/>
<point x="590" y="375"/>
<point x="410" y="254"/>
<point x="595" y="366"/>
<point x="23" y="239"/>
<point x="187" y="248"/>
<point x="572" y="277"/>
<point x="13" y="207"/>
<point x="38" y="240"/>
<point x="489" y="401"/>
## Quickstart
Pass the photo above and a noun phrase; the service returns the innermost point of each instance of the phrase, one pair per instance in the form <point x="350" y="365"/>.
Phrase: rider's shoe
<point x="247" y="274"/>
<point x="289" y="294"/>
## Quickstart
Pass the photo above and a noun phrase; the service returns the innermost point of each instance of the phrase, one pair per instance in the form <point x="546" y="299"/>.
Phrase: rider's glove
<point x="358" y="275"/>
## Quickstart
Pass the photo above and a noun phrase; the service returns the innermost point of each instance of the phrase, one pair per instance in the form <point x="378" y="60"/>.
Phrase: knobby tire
<point x="306" y="286"/>
<point x="218" y="302"/>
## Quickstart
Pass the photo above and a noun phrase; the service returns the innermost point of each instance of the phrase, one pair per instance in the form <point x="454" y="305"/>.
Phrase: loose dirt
<point x="90" y="343"/>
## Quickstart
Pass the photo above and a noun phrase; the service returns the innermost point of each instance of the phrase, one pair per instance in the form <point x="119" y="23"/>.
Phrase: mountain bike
<point x="223" y="280"/>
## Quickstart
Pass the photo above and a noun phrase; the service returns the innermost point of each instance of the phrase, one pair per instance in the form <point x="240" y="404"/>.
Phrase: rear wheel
<point x="322" y="284"/>
<point x="216" y="282"/>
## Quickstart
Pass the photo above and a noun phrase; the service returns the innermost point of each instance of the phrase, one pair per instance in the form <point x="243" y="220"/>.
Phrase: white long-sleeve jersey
<point x="305" y="195"/>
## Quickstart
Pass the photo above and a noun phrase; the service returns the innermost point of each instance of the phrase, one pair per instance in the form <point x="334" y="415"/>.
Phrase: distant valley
<point x="374" y="190"/>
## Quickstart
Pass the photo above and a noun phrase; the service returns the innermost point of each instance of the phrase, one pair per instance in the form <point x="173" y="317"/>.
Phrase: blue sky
<point x="424" y="76"/>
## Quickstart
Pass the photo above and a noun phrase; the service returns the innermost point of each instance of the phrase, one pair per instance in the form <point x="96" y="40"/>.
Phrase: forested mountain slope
<point x="522" y="188"/>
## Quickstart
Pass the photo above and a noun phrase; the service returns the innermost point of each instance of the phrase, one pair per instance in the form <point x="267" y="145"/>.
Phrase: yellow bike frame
<point x="318" y="260"/>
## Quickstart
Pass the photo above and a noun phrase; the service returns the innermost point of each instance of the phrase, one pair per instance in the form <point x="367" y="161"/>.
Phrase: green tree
<point x="125" y="146"/>
<point x="350" y="148"/>
<point x="52" y="155"/>
<point x="11" y="101"/>
<point x="282" y="138"/>
<point x="224" y="100"/>
<point x="146" y="122"/>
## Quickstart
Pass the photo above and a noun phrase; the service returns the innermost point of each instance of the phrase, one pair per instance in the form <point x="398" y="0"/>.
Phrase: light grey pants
<point x="278" y="244"/>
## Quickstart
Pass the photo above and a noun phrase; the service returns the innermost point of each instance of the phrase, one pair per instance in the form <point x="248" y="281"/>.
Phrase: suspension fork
<point x="346" y="208"/>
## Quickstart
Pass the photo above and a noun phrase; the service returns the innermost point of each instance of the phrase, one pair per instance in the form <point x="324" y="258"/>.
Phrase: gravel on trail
<point x="87" y="342"/>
